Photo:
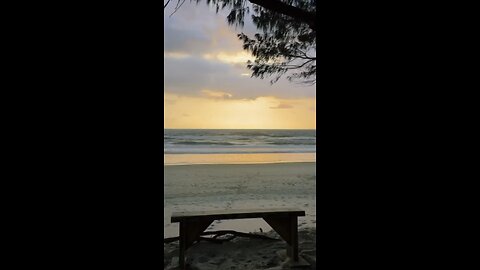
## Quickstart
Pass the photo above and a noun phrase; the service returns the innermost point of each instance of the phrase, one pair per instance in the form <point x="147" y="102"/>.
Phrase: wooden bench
<point x="284" y="221"/>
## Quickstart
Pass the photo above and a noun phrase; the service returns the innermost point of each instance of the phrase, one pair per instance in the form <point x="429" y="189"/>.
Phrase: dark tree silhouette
<point x="287" y="42"/>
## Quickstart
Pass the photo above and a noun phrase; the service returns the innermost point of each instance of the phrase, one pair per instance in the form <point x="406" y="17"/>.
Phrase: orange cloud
<point x="216" y="94"/>
<point x="282" y="106"/>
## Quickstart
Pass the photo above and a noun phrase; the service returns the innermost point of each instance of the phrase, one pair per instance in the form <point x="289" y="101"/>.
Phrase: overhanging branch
<point x="166" y="4"/>
<point x="291" y="11"/>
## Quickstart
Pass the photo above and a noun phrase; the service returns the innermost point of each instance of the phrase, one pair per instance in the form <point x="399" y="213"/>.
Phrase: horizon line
<point x="250" y="128"/>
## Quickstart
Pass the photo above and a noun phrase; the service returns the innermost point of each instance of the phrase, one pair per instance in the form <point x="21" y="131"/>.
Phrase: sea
<point x="238" y="146"/>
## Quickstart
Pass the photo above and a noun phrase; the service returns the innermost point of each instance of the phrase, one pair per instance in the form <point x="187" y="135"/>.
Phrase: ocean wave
<point x="239" y="141"/>
<point x="204" y="143"/>
<point x="291" y="143"/>
<point x="236" y="151"/>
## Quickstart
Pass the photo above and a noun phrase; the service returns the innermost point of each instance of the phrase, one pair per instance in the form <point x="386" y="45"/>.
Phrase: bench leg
<point x="183" y="245"/>
<point x="287" y="228"/>
<point x="293" y="247"/>
<point x="189" y="232"/>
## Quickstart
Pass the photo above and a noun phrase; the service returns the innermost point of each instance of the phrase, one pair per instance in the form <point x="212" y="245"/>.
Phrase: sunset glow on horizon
<point x="224" y="113"/>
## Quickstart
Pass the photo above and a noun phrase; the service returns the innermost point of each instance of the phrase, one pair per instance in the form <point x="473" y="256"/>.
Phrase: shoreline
<point x="256" y="163"/>
<point x="235" y="158"/>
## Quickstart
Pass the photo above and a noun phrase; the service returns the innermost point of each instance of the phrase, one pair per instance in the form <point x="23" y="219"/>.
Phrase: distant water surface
<point x="231" y="141"/>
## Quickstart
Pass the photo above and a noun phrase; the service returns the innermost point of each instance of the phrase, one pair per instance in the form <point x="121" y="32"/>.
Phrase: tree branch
<point x="298" y="66"/>
<point x="179" y="5"/>
<point x="291" y="11"/>
<point x="302" y="57"/>
<point x="166" y="4"/>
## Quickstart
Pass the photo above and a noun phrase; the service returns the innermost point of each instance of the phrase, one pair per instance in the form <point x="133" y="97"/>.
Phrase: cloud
<point x="178" y="55"/>
<point x="282" y="106"/>
<point x="170" y="101"/>
<point x="238" y="57"/>
<point x="216" y="94"/>
<point x="202" y="52"/>
<point x="190" y="75"/>
<point x="185" y="40"/>
<point x="197" y="29"/>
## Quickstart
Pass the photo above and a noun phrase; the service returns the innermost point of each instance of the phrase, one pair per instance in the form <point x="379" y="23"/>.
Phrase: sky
<point x="207" y="84"/>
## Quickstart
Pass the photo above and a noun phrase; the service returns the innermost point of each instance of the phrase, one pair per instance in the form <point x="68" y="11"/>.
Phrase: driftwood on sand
<point x="216" y="234"/>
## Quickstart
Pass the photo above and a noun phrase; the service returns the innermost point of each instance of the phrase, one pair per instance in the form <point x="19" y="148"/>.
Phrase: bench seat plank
<point x="235" y="214"/>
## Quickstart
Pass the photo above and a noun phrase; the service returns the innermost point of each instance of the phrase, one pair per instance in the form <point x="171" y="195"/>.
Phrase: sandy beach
<point x="240" y="186"/>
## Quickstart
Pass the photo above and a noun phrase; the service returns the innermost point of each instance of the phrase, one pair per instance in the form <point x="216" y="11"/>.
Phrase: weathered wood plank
<point x="236" y="213"/>
<point x="194" y="229"/>
<point x="183" y="242"/>
<point x="282" y="226"/>
<point x="293" y="246"/>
